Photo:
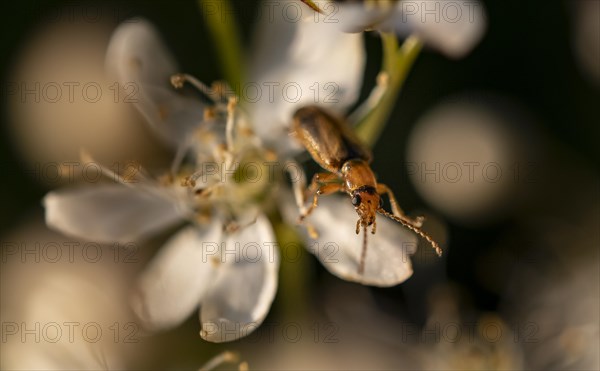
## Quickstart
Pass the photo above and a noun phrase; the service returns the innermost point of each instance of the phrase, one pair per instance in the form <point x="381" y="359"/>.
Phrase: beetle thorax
<point x="362" y="187"/>
<point x="357" y="174"/>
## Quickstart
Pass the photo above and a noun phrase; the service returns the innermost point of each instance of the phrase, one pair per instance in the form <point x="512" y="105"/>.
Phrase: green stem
<point x="223" y="28"/>
<point x="390" y="50"/>
<point x="396" y="65"/>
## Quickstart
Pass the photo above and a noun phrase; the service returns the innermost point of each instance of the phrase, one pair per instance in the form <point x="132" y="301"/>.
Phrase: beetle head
<point x="366" y="201"/>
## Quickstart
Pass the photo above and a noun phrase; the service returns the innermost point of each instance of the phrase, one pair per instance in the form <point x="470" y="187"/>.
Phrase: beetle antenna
<point x="312" y="5"/>
<point x="418" y="231"/>
<point x="363" y="254"/>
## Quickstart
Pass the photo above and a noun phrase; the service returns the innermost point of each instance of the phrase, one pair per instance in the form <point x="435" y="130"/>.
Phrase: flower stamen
<point x="179" y="79"/>
<point x="231" y="106"/>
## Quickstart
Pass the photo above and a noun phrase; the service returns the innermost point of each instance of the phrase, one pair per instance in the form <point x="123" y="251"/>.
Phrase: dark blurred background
<point x="535" y="74"/>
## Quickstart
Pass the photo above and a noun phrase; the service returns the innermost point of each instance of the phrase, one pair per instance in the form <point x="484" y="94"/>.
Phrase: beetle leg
<point x="321" y="178"/>
<point x="383" y="189"/>
<point x="298" y="184"/>
<point x="324" y="189"/>
<point x="318" y="181"/>
<point x="300" y="192"/>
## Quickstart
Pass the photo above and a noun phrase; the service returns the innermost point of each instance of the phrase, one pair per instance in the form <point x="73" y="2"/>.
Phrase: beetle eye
<point x="356" y="200"/>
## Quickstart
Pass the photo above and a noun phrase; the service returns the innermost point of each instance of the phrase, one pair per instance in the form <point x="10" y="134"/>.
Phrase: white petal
<point x="177" y="279"/>
<point x="111" y="212"/>
<point x="453" y="27"/>
<point x="339" y="248"/>
<point x="298" y="62"/>
<point x="245" y="288"/>
<point x="137" y="56"/>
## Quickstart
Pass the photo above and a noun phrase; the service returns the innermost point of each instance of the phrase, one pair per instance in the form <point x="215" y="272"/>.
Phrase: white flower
<point x="115" y="212"/>
<point x="137" y="55"/>
<point x="310" y="52"/>
<point x="235" y="293"/>
<point x="452" y="27"/>
<point x="196" y="266"/>
<point x="337" y="246"/>
<point x="305" y="62"/>
<point x="200" y="265"/>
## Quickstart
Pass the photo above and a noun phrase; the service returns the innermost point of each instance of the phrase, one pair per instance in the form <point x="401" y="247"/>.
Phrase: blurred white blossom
<point x="452" y="27"/>
<point x="63" y="304"/>
<point x="463" y="158"/>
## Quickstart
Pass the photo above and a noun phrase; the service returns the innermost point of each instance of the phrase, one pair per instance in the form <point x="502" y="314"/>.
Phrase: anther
<point x="179" y="79"/>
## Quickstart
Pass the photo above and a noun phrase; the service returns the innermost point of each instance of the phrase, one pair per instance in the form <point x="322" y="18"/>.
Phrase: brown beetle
<point x="335" y="147"/>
